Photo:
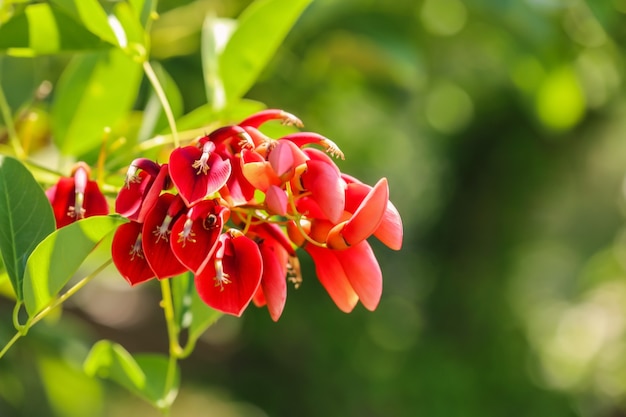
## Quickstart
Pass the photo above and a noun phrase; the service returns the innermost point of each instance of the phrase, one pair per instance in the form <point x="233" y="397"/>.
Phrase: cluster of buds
<point x="232" y="208"/>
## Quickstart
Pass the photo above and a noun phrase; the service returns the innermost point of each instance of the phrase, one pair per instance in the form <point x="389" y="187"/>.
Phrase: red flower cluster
<point x="231" y="207"/>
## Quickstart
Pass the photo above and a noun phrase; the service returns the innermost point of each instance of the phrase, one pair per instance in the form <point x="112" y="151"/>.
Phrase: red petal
<point x="327" y="188"/>
<point x="238" y="189"/>
<point x="95" y="202"/>
<point x="331" y="274"/>
<point x="130" y="197"/>
<point x="156" y="245"/>
<point x="243" y="264"/>
<point x="193" y="184"/>
<point x="363" y="273"/>
<point x="364" y="221"/>
<point x="195" y="245"/>
<point x="390" y="230"/>
<point x="61" y="197"/>
<point x="128" y="255"/>
<point x="276" y="200"/>
<point x="258" y="171"/>
<point x="275" y="259"/>
<point x="284" y="157"/>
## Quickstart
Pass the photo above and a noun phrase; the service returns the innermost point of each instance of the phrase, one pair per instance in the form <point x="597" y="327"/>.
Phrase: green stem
<point x="158" y="89"/>
<point x="22" y="330"/>
<point x="80" y="284"/>
<point x="8" y="120"/>
<point x="10" y="343"/>
<point x="175" y="351"/>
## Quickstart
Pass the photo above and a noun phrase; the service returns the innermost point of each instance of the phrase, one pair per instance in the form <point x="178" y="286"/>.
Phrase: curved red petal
<point x="243" y="267"/>
<point x="390" y="231"/>
<point x="276" y="200"/>
<point x="274" y="280"/>
<point x="130" y="197"/>
<point x="363" y="273"/>
<point x="127" y="254"/>
<point x="155" y="240"/>
<point x="364" y="221"/>
<point x="194" y="236"/>
<point x="331" y="274"/>
<point x="327" y="188"/>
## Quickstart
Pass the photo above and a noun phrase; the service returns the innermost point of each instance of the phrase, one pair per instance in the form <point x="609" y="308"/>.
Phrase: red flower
<point x="156" y="233"/>
<point x="76" y="197"/>
<point x="128" y="256"/>
<point x="195" y="234"/>
<point x="232" y="276"/>
<point x="198" y="173"/>
<point x="144" y="182"/>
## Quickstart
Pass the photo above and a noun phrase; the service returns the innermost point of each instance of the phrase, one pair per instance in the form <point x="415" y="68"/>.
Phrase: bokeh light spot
<point x="560" y="102"/>
<point x="448" y="108"/>
<point x="443" y="17"/>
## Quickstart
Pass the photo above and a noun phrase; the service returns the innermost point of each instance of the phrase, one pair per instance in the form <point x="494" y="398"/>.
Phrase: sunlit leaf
<point x="129" y="30"/>
<point x="94" y="92"/>
<point x="44" y="29"/>
<point x="143" y="374"/>
<point x="57" y="258"/>
<point x="143" y="9"/>
<point x="91" y="14"/>
<point x="261" y="29"/>
<point x="215" y="35"/>
<point x="25" y="218"/>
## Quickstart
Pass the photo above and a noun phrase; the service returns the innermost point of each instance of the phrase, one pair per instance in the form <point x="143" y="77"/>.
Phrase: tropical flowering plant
<point x="207" y="203"/>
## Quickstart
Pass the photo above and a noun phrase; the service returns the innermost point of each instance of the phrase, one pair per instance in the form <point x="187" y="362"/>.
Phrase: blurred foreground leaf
<point x="55" y="260"/>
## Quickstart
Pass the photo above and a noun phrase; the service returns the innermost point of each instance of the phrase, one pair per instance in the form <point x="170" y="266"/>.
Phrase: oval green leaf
<point x="247" y="52"/>
<point x="95" y="91"/>
<point x="26" y="218"/>
<point x="57" y="258"/>
<point x="43" y="29"/>
<point x="144" y="374"/>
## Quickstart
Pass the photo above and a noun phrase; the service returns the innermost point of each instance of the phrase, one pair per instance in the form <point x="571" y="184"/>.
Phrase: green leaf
<point x="91" y="14"/>
<point x="94" y="92"/>
<point x="131" y="33"/>
<point x="144" y="374"/>
<point x="26" y="218"/>
<point x="262" y="28"/>
<point x="44" y="29"/>
<point x="215" y="35"/>
<point x="57" y="258"/>
<point x="144" y="9"/>
<point x="207" y="117"/>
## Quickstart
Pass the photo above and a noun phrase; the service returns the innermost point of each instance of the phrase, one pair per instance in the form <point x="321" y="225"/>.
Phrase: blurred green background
<point x="501" y="126"/>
